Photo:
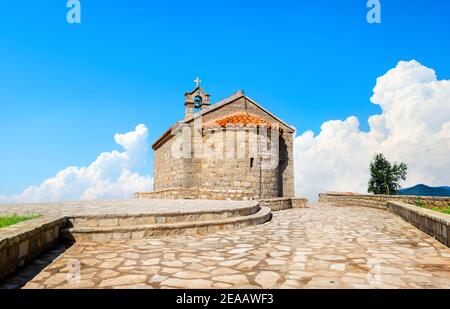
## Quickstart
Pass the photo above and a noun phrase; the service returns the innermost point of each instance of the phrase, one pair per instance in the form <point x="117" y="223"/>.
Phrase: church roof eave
<point x="165" y="137"/>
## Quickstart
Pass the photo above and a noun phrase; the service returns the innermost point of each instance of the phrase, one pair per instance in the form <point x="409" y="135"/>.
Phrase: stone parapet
<point x="284" y="203"/>
<point x="277" y="204"/>
<point x="299" y="203"/>
<point x="21" y="243"/>
<point x="381" y="201"/>
<point x="431" y="222"/>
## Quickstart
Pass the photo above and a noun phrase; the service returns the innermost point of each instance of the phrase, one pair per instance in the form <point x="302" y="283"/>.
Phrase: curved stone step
<point x="117" y="220"/>
<point x="143" y="231"/>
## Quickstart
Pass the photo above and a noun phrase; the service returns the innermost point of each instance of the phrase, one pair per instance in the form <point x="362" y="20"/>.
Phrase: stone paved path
<point x="318" y="247"/>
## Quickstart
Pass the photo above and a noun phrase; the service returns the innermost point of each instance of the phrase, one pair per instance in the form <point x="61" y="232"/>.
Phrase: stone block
<point x="102" y="237"/>
<point x="108" y="222"/>
<point x="49" y="236"/>
<point x="23" y="248"/>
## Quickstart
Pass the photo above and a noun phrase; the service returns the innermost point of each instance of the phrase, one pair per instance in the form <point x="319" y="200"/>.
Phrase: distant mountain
<point x="423" y="190"/>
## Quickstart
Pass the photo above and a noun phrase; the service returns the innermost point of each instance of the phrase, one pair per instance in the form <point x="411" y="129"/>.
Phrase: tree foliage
<point x="385" y="177"/>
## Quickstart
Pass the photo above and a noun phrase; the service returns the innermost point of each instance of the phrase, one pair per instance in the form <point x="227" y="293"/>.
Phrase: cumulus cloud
<point x="113" y="175"/>
<point x="414" y="127"/>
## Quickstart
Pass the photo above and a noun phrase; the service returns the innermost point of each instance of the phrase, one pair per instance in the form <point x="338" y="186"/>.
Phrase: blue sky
<point x="65" y="90"/>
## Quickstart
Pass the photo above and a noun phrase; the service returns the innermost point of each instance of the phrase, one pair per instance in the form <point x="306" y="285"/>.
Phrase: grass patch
<point x="438" y="209"/>
<point x="14" y="219"/>
<point x="443" y="210"/>
<point x="420" y="203"/>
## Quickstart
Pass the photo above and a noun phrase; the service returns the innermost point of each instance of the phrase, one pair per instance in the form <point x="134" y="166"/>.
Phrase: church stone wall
<point x="285" y="175"/>
<point x="197" y="194"/>
<point x="237" y="170"/>
<point x="287" y="164"/>
<point x="229" y="172"/>
<point x="167" y="170"/>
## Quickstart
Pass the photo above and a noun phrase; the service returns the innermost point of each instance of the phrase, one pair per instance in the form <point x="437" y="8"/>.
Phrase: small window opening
<point x="252" y="160"/>
<point x="198" y="102"/>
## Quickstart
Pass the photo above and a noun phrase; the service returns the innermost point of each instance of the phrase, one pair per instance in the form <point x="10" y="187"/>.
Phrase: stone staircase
<point x="119" y="227"/>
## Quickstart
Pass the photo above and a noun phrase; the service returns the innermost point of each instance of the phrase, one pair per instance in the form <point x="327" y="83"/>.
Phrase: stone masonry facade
<point x="22" y="243"/>
<point x="217" y="153"/>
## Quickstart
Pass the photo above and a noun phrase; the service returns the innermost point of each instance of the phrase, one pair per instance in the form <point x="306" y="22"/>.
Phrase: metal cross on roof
<point x="197" y="81"/>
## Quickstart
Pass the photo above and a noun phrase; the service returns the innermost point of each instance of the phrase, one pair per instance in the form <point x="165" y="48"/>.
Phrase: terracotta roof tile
<point x="240" y="119"/>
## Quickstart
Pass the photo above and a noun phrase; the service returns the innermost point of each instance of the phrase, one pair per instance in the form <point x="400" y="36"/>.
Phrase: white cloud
<point x="414" y="127"/>
<point x="113" y="175"/>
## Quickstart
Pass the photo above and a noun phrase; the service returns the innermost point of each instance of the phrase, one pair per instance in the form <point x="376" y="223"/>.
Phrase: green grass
<point x="14" y="219"/>
<point x="420" y="203"/>
<point x="443" y="210"/>
<point x="438" y="209"/>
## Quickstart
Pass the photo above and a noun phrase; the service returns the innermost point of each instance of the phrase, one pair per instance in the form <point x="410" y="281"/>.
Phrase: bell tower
<point x="196" y="100"/>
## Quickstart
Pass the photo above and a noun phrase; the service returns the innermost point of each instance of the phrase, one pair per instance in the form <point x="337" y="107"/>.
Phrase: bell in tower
<point x="196" y="100"/>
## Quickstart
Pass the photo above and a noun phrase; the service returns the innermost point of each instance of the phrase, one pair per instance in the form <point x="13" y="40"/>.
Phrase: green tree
<point x="385" y="177"/>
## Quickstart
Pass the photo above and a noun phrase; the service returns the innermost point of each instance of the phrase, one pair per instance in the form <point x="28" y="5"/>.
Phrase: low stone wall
<point x="23" y="242"/>
<point x="299" y="203"/>
<point x="381" y="201"/>
<point x="277" y="204"/>
<point x="283" y="203"/>
<point x="198" y="194"/>
<point x="431" y="222"/>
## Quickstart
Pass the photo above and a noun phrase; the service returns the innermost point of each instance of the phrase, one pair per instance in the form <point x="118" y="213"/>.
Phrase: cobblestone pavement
<point x="318" y="247"/>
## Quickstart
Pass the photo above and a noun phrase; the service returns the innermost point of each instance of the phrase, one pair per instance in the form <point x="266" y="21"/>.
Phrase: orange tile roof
<point x="240" y="119"/>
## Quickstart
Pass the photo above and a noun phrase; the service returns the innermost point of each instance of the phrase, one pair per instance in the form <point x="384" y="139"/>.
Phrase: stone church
<point x="231" y="150"/>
